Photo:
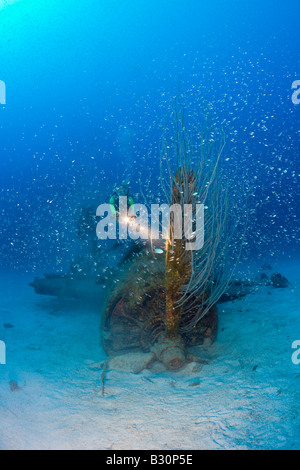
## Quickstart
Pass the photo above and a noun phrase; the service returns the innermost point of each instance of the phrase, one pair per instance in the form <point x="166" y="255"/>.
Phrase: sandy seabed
<point x="246" y="398"/>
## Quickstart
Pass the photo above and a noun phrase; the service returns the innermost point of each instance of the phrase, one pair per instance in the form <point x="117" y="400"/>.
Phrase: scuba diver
<point x="127" y="248"/>
<point x="95" y="255"/>
<point x="122" y="191"/>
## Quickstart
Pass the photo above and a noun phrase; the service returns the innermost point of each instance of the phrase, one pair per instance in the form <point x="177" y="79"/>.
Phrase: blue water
<point x="89" y="85"/>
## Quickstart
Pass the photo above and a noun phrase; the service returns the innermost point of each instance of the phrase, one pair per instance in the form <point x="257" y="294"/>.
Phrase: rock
<point x="194" y="384"/>
<point x="236" y="290"/>
<point x="13" y="385"/>
<point x="279" y="281"/>
<point x="263" y="277"/>
<point x="267" y="267"/>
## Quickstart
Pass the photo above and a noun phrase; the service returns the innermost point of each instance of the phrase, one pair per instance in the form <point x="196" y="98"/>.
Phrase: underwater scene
<point x="149" y="234"/>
